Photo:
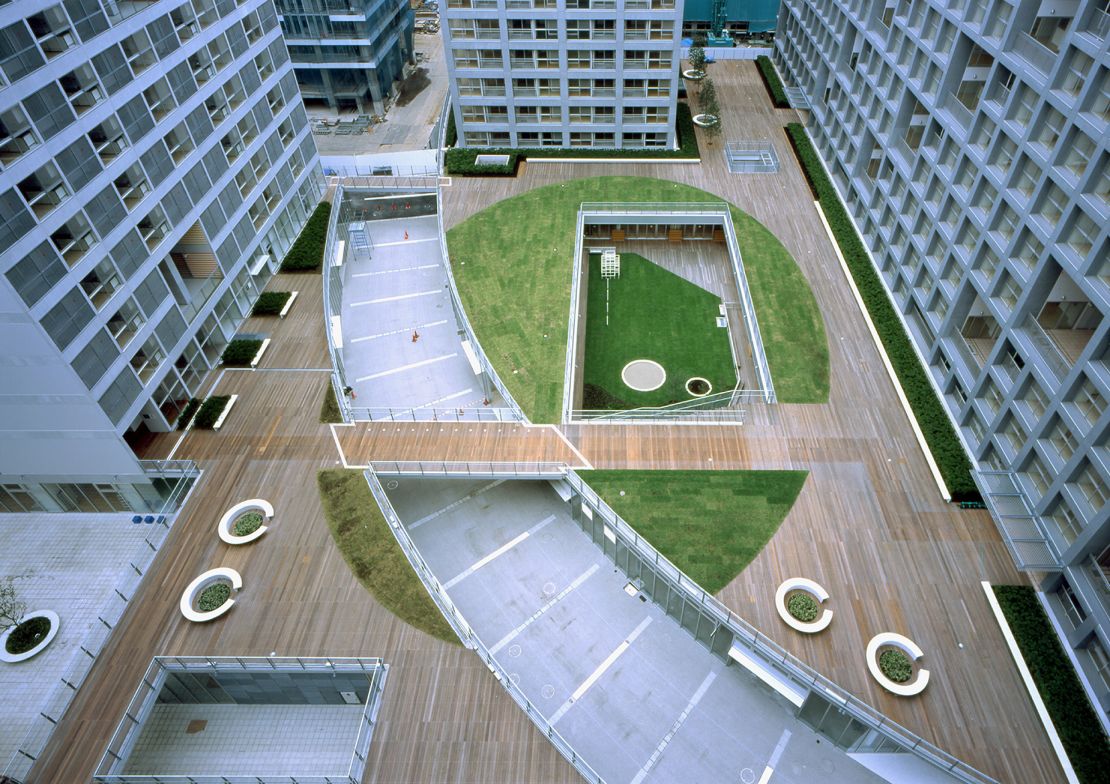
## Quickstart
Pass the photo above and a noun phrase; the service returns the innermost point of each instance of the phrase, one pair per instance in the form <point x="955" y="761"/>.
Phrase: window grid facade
<point x="154" y="168"/>
<point x="972" y="137"/>
<point x="563" y="73"/>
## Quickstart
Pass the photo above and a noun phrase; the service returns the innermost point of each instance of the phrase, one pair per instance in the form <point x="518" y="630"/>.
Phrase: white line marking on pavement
<point x="536" y="615"/>
<point x="394" y="271"/>
<point x="509" y="545"/>
<point x="403" y="368"/>
<point x="702" y="689"/>
<point x="601" y="668"/>
<point x="404" y="242"/>
<point x="775" y="755"/>
<point x="454" y="505"/>
<point x="445" y="398"/>
<point x="398" y="297"/>
<point x="398" y="331"/>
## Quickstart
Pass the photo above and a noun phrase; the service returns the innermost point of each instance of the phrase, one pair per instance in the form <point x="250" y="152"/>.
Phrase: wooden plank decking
<point x="869" y="525"/>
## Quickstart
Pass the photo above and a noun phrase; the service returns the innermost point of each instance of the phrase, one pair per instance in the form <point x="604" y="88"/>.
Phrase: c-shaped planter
<point x="263" y="507"/>
<point x="907" y="646"/>
<point x="813" y="589"/>
<point x="222" y="574"/>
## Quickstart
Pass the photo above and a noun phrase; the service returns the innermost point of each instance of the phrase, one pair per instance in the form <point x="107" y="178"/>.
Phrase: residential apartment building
<point x="969" y="140"/>
<point x="348" y="54"/>
<point x="741" y="16"/>
<point x="155" y="165"/>
<point x="563" y="73"/>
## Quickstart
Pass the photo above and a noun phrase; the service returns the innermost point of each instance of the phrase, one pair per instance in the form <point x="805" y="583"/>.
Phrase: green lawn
<point x="364" y="538"/>
<point x="712" y="540"/>
<point x="653" y="314"/>
<point x="512" y="263"/>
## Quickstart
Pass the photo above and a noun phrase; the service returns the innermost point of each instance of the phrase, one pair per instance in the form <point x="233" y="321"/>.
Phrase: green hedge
<point x="1075" y="720"/>
<point x="307" y="252"/>
<point x="456" y="160"/>
<point x="187" y="413"/>
<point x="452" y="132"/>
<point x="460" y="162"/>
<point x="772" y="82"/>
<point x="210" y="411"/>
<point x="929" y="409"/>
<point x="270" y="303"/>
<point x="240" y="352"/>
<point x="329" y="407"/>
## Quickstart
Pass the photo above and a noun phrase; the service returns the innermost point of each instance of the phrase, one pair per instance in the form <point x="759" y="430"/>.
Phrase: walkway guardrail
<point x="131" y="724"/>
<point x="63" y="691"/>
<point x="771" y="653"/>
<point x="469" y="638"/>
<point x="484" y="414"/>
<point x="522" y="468"/>
<point x="714" y="209"/>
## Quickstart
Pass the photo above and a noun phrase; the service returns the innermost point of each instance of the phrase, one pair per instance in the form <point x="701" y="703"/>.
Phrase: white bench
<point x="813" y="589"/>
<point x="204" y="580"/>
<point x="263" y="507"/>
<point x="907" y="646"/>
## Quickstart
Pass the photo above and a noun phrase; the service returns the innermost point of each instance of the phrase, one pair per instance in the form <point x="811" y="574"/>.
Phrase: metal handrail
<point x="522" y="468"/>
<point x="750" y="321"/>
<point x="771" y="653"/>
<point x="466" y="634"/>
<point x="386" y="414"/>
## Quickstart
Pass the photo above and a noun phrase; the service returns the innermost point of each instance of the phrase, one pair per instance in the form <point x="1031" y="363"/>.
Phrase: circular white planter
<point x="689" y="381"/>
<point x="693" y="74"/>
<point x="189" y="597"/>
<point x="821" y="622"/>
<point x="643" y="375"/>
<point x="12" y="658"/>
<point x="705" y="120"/>
<point x="264" y="508"/>
<point x="910" y="648"/>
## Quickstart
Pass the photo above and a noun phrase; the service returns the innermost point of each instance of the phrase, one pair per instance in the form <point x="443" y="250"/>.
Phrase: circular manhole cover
<point x="515" y="678"/>
<point x="548" y="589"/>
<point x="514" y="651"/>
<point x="391" y="484"/>
<point x="548" y="691"/>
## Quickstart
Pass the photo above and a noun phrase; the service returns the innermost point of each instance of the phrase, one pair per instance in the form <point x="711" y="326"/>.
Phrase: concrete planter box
<point x="227" y="522"/>
<point x="211" y="577"/>
<point x="920" y="678"/>
<point x="819" y="594"/>
<point x="12" y="658"/>
<point x="705" y="120"/>
<point x="693" y="75"/>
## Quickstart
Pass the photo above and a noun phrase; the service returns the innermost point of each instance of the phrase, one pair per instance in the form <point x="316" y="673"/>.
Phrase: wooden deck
<point x="444" y="717"/>
<point x="869" y="525"/>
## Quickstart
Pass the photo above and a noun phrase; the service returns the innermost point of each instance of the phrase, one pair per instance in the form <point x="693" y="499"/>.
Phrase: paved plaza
<point x="632" y="692"/>
<point x="71" y="564"/>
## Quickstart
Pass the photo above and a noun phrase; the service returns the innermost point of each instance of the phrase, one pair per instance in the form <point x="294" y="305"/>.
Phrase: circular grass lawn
<point x="512" y="264"/>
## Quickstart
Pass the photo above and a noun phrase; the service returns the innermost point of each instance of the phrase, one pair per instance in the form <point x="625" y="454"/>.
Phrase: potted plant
<point x="697" y="60"/>
<point x="25" y="634"/>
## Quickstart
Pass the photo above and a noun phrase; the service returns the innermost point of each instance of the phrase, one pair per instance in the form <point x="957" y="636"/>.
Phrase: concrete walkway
<point x="632" y="691"/>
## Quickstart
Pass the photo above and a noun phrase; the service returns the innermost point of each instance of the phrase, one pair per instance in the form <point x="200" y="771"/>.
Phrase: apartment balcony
<point x="1035" y="53"/>
<point x="1046" y="348"/>
<point x="1021" y="530"/>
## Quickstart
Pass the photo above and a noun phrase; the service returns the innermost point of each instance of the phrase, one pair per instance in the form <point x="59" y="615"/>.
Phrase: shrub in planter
<point x="329" y="408"/>
<point x="802" y="606"/>
<point x="927" y="407"/>
<point x="213" y="597"/>
<point x="772" y="82"/>
<point x="27" y="635"/>
<point x="452" y="132"/>
<point x="188" y="412"/>
<point x="896" y="665"/>
<point x="461" y="161"/>
<point x="697" y="59"/>
<point x="1086" y="744"/>
<point x="270" y="303"/>
<point x="247" y="524"/>
<point x="240" y="352"/>
<point x="210" y="411"/>
<point x="307" y="252"/>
